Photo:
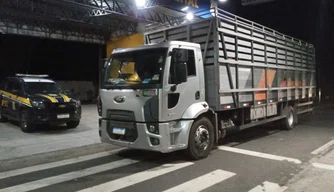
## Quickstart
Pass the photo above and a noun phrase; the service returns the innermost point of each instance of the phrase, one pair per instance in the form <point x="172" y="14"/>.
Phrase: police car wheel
<point x="72" y="124"/>
<point x="24" y="124"/>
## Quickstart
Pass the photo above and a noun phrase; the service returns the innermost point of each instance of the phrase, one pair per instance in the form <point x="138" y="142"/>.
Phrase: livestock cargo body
<point x="204" y="76"/>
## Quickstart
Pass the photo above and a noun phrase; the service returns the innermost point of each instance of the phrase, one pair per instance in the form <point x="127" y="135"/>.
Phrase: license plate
<point x="63" y="116"/>
<point x="118" y="131"/>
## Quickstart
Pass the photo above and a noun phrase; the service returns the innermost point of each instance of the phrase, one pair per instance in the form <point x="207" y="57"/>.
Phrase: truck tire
<point x="289" y="121"/>
<point x="201" y="139"/>
<point x="2" y="117"/>
<point x="25" y="126"/>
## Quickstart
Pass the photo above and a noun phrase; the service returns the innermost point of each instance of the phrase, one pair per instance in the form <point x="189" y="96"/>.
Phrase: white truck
<point x="187" y="84"/>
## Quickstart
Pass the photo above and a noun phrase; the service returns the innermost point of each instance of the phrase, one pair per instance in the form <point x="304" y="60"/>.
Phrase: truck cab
<point x="152" y="97"/>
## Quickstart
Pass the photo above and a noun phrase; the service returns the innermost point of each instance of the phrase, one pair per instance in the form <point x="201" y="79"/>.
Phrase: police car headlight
<point x="77" y="103"/>
<point x="38" y="104"/>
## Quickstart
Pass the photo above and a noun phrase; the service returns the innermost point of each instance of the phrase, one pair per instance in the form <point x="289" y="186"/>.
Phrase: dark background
<point x="308" y="20"/>
<point x="61" y="60"/>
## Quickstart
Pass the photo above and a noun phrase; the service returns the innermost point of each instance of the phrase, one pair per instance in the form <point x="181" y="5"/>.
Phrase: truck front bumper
<point x="172" y="136"/>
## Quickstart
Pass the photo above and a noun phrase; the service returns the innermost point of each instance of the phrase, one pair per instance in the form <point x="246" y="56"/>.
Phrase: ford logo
<point x="119" y="99"/>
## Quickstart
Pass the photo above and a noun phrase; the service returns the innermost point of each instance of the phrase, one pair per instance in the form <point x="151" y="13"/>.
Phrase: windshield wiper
<point x="116" y="81"/>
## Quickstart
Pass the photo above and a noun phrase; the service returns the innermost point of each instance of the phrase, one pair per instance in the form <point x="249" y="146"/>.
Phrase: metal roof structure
<point x="91" y="21"/>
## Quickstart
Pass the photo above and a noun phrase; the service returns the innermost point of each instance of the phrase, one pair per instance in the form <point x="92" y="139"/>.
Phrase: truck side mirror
<point x="180" y="55"/>
<point x="103" y="67"/>
<point x="179" y="74"/>
<point x="179" y="66"/>
<point x="106" y="60"/>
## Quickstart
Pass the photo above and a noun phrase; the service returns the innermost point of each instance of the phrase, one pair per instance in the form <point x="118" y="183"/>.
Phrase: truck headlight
<point x="38" y="104"/>
<point x="153" y="128"/>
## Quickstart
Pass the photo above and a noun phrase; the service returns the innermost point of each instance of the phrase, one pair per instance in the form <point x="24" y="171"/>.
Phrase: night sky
<point x="309" y="20"/>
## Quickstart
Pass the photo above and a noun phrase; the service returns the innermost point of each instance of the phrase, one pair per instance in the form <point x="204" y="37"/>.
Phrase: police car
<point x="36" y="99"/>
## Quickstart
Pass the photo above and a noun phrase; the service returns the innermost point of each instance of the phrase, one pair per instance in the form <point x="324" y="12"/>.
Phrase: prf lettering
<point x="192" y="3"/>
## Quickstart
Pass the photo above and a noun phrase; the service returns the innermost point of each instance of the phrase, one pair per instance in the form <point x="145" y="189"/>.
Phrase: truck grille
<point x="121" y="115"/>
<point x="130" y="134"/>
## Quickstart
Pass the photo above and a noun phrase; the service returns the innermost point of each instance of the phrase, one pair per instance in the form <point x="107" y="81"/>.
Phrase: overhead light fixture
<point x="223" y="1"/>
<point x="140" y="3"/>
<point x="185" y="8"/>
<point x="190" y="16"/>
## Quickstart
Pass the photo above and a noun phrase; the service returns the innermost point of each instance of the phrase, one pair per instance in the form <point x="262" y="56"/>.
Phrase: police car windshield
<point x="41" y="87"/>
<point x="135" y="69"/>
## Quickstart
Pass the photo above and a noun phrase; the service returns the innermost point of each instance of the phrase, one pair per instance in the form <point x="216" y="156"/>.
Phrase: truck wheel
<point x="72" y="124"/>
<point x="201" y="138"/>
<point x="25" y="126"/>
<point x="289" y="121"/>
<point x="2" y="118"/>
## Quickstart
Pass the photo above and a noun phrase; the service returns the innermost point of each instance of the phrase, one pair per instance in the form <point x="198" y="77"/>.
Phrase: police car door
<point x="4" y="97"/>
<point x="14" y="90"/>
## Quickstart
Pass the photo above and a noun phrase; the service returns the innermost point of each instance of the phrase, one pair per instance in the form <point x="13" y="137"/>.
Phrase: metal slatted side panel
<point x="198" y="32"/>
<point x="258" y="65"/>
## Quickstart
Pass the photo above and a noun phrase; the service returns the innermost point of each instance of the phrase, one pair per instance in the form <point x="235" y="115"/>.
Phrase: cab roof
<point x="164" y="44"/>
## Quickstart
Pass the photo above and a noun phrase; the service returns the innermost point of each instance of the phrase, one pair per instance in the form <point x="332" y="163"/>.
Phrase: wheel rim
<point x="290" y="119"/>
<point x="202" y="138"/>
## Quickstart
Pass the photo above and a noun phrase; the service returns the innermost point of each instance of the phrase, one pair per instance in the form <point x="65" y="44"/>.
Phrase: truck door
<point x="177" y="98"/>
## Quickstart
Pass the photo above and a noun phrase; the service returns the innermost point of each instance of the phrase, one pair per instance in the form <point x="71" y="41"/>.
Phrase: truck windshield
<point x="135" y="69"/>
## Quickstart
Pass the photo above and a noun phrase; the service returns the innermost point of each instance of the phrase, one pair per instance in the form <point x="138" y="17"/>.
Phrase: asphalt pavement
<point x="258" y="159"/>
